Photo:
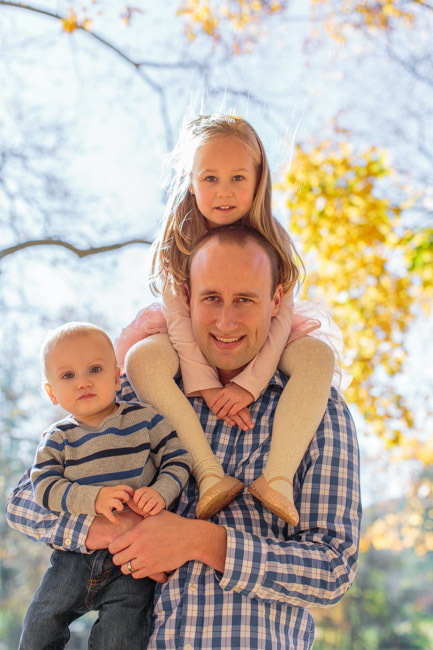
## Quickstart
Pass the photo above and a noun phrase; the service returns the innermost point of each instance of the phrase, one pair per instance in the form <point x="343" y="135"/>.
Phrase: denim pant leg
<point x="58" y="601"/>
<point x="125" y="606"/>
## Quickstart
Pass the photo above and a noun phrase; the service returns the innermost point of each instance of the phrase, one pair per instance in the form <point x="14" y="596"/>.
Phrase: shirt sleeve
<point x="257" y="374"/>
<point x="316" y="563"/>
<point x="52" y="490"/>
<point x="197" y="374"/>
<point x="62" y="531"/>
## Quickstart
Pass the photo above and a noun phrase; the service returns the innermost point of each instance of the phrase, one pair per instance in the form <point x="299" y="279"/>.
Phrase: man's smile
<point x="226" y="342"/>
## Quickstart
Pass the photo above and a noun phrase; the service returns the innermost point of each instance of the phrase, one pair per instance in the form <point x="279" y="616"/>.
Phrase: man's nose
<point x="226" y="321"/>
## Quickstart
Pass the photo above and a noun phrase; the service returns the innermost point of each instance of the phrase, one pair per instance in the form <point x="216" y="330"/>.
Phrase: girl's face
<point x="223" y="181"/>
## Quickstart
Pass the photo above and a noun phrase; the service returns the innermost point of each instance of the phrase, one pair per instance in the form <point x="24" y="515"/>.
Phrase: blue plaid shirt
<point x="273" y="572"/>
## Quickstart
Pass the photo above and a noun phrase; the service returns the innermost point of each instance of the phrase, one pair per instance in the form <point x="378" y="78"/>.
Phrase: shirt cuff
<point x="71" y="533"/>
<point x="245" y="564"/>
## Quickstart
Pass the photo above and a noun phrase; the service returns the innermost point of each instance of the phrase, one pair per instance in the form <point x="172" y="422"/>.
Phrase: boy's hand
<point x="149" y="501"/>
<point x="112" y="498"/>
<point x="229" y="404"/>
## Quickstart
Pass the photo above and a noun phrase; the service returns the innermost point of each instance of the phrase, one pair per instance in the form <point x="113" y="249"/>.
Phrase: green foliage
<point x="389" y="607"/>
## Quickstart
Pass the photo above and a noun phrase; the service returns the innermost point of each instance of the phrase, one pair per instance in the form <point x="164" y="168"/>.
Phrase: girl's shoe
<point x="276" y="502"/>
<point x="218" y="496"/>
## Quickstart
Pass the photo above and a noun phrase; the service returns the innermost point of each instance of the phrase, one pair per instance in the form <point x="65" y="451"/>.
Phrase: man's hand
<point x="112" y="498"/>
<point x="149" y="501"/>
<point x="164" y="543"/>
<point x="229" y="404"/>
<point x="102" y="531"/>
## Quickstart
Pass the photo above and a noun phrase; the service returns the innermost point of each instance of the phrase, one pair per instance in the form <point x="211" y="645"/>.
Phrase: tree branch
<point x="80" y="252"/>
<point x="137" y="66"/>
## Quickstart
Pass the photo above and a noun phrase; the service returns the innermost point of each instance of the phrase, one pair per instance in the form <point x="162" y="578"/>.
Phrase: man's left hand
<point x="164" y="543"/>
<point x="157" y="544"/>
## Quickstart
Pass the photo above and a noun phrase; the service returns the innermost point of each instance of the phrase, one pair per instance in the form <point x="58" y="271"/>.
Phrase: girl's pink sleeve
<point x="197" y="374"/>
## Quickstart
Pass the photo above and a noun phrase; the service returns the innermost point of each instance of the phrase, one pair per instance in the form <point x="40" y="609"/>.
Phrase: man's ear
<point x="276" y="300"/>
<point x="50" y="393"/>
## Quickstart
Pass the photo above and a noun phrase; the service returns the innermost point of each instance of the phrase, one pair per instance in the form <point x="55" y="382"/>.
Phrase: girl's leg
<point x="310" y="365"/>
<point x="151" y="366"/>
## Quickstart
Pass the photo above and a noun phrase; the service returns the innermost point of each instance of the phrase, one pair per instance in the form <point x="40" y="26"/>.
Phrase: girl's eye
<point x="211" y="179"/>
<point x="238" y="177"/>
<point x="95" y="369"/>
<point x="68" y="375"/>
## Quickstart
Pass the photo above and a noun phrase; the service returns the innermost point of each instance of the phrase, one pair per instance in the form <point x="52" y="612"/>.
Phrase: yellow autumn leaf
<point x="70" y="23"/>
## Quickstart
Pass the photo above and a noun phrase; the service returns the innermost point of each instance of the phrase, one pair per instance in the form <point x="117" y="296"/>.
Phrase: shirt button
<point x="236" y="589"/>
<point x="68" y="542"/>
<point x="188" y="646"/>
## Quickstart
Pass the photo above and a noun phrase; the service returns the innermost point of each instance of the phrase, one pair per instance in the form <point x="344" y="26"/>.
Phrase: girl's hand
<point x="229" y="404"/>
<point x="112" y="498"/>
<point x="148" y="501"/>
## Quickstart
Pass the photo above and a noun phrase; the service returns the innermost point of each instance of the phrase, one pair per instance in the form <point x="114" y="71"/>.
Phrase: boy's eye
<point x="68" y="375"/>
<point x="95" y="369"/>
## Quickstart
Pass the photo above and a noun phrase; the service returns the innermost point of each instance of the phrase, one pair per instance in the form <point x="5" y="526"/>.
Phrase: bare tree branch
<point x="80" y="252"/>
<point x="137" y="66"/>
<point x="424" y="4"/>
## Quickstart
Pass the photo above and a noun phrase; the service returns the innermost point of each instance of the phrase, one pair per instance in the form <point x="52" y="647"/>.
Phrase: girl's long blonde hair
<point x="183" y="224"/>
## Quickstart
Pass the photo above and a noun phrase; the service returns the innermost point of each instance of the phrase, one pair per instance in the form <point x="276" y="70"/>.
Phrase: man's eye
<point x="211" y="298"/>
<point x="68" y="375"/>
<point x="95" y="369"/>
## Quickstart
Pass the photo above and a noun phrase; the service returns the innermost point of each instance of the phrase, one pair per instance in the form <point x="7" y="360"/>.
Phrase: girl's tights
<point x="151" y="366"/>
<point x="309" y="364"/>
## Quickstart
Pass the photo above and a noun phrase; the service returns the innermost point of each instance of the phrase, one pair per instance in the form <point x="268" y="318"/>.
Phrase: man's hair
<point x="240" y="235"/>
<point x="69" y="330"/>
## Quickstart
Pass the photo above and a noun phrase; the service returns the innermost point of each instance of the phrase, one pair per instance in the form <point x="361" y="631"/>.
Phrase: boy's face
<point x="83" y="377"/>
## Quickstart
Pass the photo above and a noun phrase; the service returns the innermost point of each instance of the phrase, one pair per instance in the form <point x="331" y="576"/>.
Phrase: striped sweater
<point x="134" y="446"/>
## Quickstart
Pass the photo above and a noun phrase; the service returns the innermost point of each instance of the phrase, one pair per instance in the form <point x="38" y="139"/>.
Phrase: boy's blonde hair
<point x="69" y="330"/>
<point x="183" y="224"/>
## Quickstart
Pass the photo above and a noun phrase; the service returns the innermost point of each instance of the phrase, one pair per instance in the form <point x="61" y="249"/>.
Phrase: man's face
<point x="231" y="304"/>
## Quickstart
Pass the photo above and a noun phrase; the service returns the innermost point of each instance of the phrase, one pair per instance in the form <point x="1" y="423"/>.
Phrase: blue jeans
<point x="75" y="584"/>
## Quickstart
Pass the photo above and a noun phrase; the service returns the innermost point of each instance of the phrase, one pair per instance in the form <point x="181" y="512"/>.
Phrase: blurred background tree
<point x="341" y="93"/>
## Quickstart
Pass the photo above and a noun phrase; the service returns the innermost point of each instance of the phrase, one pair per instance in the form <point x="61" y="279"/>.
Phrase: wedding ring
<point x="130" y="569"/>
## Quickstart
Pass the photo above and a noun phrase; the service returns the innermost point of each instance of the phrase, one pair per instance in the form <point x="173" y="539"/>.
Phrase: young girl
<point x="221" y="177"/>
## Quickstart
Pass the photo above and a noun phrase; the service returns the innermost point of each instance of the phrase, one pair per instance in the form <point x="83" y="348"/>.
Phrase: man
<point x="245" y="579"/>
